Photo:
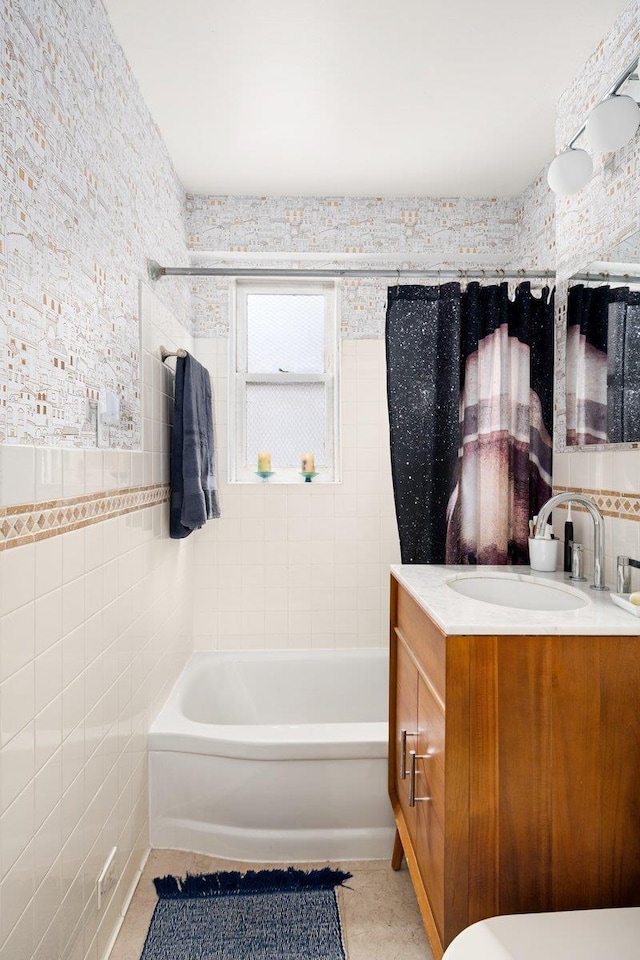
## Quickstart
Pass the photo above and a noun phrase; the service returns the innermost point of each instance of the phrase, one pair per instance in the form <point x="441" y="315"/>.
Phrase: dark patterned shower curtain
<point x="586" y="364"/>
<point x="423" y="389"/>
<point x="470" y="390"/>
<point x="602" y="364"/>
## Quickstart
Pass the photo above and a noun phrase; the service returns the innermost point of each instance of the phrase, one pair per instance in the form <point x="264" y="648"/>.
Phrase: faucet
<point x="598" y="530"/>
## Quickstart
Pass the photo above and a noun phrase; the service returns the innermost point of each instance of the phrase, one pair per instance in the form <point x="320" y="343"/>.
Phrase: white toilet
<point x="610" y="934"/>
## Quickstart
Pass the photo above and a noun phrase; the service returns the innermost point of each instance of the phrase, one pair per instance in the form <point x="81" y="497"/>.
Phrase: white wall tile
<point x="625" y="468"/>
<point x="16" y="890"/>
<point x="17" y="480"/>
<point x="73" y="473"/>
<point x="48" y="565"/>
<point x="17" y="640"/>
<point x="18" y="577"/>
<point x="48" y="478"/>
<point x="47" y="789"/>
<point x="73" y="559"/>
<point x="48" y="620"/>
<point x="17" y="825"/>
<point x="48" y="732"/>
<point x="16" y="703"/>
<point x="93" y="471"/>
<point x="48" y="676"/>
<point x="291" y="549"/>
<point x="16" y="766"/>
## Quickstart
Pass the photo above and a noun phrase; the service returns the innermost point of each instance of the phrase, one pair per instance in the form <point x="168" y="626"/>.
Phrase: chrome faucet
<point x="598" y="530"/>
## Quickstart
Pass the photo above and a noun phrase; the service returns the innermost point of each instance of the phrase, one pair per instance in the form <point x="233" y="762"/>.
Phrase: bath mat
<point x="259" y="915"/>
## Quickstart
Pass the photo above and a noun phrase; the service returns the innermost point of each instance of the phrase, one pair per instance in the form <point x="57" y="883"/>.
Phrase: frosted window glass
<point x="287" y="419"/>
<point x="285" y="332"/>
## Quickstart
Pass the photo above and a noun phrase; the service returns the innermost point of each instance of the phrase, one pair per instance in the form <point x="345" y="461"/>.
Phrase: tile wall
<point x="302" y="565"/>
<point x="94" y="627"/>
<point x="612" y="479"/>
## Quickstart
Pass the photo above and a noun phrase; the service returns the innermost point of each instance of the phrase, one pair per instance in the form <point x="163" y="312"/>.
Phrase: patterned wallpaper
<point x="535" y="236"/>
<point x="370" y="232"/>
<point x="607" y="210"/>
<point x="88" y="193"/>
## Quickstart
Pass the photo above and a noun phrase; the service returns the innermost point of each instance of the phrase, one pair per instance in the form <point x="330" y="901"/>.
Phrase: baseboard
<point x="126" y="904"/>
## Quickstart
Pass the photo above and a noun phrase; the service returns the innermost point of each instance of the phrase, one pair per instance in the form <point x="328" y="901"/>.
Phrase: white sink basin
<point x="510" y="590"/>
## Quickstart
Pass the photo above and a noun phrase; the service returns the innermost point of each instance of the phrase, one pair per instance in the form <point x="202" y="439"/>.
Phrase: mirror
<point x="603" y="349"/>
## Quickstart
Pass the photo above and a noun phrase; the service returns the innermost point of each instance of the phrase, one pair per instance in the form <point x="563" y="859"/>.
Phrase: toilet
<point x="612" y="933"/>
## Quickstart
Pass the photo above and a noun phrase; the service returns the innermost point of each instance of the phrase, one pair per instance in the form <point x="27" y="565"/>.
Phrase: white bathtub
<point x="274" y="756"/>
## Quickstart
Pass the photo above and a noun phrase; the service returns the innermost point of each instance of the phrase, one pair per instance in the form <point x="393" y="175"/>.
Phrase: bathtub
<point x="274" y="756"/>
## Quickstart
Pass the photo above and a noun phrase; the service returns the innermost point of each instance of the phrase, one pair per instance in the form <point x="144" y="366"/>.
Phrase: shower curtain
<point x="470" y="392"/>
<point x="603" y="366"/>
<point x="423" y="387"/>
<point x="586" y="364"/>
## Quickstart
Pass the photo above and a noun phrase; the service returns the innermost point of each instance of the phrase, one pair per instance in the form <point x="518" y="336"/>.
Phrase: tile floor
<point x="379" y="912"/>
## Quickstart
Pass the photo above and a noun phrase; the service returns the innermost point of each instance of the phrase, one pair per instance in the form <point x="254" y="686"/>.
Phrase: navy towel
<point x="194" y="498"/>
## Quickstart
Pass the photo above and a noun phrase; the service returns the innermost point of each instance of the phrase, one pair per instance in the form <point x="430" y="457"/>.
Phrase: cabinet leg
<point x="398" y="853"/>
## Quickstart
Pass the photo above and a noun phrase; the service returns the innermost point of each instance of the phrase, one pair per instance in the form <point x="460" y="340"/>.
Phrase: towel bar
<point x="164" y="353"/>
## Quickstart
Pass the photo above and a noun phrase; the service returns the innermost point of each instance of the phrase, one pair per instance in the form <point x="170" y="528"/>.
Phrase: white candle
<point x="308" y="463"/>
<point x="264" y="462"/>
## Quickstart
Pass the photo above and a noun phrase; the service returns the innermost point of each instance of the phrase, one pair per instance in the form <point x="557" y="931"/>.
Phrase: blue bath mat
<point x="259" y="915"/>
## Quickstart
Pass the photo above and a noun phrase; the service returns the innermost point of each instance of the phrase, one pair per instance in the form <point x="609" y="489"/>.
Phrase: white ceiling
<point x="358" y="97"/>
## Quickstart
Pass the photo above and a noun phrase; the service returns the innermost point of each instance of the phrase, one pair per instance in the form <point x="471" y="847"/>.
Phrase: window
<point x="284" y="379"/>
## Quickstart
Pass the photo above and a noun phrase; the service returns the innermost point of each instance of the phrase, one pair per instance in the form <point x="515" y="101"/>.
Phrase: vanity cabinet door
<point x="406" y="729"/>
<point x="419" y="727"/>
<point x="430" y="801"/>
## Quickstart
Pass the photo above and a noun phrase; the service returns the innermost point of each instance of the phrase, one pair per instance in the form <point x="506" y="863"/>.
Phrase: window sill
<point x="285" y="480"/>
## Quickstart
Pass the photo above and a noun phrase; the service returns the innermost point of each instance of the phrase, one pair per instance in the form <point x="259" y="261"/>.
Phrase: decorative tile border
<point x="30" y="522"/>
<point x="612" y="503"/>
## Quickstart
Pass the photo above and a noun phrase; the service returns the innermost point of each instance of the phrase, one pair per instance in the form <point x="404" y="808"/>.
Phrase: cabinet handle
<point x="403" y="752"/>
<point x="412" y="777"/>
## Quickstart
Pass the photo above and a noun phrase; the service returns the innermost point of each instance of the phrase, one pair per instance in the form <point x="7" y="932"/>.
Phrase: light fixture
<point x="632" y="88"/>
<point x="570" y="171"/>
<point x="612" y="123"/>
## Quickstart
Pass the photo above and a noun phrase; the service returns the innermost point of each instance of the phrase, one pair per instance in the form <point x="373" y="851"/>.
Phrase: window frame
<point x="239" y="376"/>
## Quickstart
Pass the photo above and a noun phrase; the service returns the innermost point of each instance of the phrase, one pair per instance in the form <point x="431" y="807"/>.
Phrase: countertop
<point x="456" y="614"/>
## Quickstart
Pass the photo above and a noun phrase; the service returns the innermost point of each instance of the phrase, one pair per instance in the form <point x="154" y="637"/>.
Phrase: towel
<point x="194" y="498"/>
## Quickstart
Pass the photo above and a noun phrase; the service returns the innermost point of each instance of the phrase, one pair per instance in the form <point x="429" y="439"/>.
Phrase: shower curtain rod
<point x="156" y="272"/>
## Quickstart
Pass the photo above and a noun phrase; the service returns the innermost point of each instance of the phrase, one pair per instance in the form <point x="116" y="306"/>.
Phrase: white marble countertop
<point x="456" y="614"/>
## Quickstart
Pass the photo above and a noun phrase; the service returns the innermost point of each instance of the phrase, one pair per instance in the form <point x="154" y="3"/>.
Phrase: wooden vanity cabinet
<point x="527" y="770"/>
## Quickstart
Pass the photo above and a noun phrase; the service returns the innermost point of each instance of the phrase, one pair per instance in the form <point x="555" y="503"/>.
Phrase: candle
<point x="264" y="462"/>
<point x="308" y="463"/>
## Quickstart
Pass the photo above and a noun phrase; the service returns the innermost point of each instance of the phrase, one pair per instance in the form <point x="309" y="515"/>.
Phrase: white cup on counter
<point x="543" y="554"/>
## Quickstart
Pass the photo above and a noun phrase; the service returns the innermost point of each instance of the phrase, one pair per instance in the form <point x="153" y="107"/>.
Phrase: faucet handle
<point x="623" y="573"/>
<point x="577" y="562"/>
